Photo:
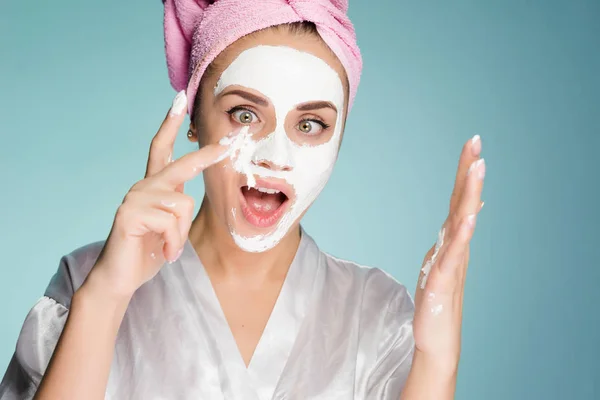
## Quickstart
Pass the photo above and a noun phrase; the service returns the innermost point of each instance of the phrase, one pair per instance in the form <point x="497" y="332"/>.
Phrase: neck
<point x="222" y="258"/>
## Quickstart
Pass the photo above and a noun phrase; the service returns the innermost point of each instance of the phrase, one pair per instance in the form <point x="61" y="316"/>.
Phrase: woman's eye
<point x="244" y="117"/>
<point x="309" y="127"/>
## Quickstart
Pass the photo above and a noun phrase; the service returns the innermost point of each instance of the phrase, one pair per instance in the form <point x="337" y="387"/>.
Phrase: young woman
<point x="238" y="302"/>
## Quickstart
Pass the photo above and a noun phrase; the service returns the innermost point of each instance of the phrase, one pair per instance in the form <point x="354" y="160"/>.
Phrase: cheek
<point x="219" y="183"/>
<point x="211" y="184"/>
<point x="313" y="169"/>
<point x="213" y="127"/>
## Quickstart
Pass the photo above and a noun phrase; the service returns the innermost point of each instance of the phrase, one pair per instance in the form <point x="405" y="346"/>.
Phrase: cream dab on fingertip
<point x="241" y="149"/>
<point x="179" y="103"/>
<point x="223" y="155"/>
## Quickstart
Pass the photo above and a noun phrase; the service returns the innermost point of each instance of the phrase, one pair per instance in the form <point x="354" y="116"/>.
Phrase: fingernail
<point x="167" y="204"/>
<point x="177" y="256"/>
<point x="476" y="145"/>
<point x="179" y="103"/>
<point x="477" y="165"/>
<point x="470" y="220"/>
<point x="481" y="169"/>
<point x="481" y="205"/>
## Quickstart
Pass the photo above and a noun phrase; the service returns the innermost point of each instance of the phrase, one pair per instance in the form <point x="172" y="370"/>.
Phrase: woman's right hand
<point x="152" y="224"/>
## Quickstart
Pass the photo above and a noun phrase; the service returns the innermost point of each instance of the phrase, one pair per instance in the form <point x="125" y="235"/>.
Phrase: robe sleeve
<point x="37" y="340"/>
<point x="394" y="358"/>
<point x="39" y="335"/>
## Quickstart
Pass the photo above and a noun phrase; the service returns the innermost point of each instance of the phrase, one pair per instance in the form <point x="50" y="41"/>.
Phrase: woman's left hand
<point x="439" y="295"/>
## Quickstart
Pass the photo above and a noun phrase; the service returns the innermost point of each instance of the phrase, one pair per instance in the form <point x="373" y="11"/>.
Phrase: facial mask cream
<point x="288" y="78"/>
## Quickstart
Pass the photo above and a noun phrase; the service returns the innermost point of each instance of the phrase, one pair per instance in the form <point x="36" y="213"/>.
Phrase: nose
<point x="275" y="152"/>
<point x="268" y="164"/>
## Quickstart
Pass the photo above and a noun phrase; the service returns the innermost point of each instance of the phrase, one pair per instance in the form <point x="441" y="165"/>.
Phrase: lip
<point x="266" y="222"/>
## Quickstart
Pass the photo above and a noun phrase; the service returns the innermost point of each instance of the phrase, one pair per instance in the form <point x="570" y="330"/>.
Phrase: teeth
<point x="269" y="191"/>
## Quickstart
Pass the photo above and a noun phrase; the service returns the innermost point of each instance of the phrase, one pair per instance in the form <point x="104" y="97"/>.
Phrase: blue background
<point x="83" y="87"/>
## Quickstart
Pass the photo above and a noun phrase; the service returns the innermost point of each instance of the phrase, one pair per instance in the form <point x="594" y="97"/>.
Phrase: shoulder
<point x="377" y="288"/>
<point x="72" y="270"/>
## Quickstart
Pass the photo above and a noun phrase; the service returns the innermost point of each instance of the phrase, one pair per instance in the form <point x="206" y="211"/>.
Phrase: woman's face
<point x="283" y="96"/>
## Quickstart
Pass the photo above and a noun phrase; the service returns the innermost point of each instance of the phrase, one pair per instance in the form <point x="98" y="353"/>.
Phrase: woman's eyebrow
<point x="249" y="96"/>
<point x="316" y="105"/>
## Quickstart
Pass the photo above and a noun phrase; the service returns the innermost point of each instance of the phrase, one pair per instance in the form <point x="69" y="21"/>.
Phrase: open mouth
<point x="264" y="204"/>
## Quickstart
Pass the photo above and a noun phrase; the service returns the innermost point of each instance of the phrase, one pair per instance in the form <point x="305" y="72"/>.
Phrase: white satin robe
<point x="338" y="331"/>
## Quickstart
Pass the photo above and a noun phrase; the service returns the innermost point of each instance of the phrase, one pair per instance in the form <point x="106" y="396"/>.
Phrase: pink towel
<point x="196" y="31"/>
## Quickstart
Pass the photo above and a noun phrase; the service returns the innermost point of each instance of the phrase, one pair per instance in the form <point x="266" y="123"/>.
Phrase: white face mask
<point x="287" y="77"/>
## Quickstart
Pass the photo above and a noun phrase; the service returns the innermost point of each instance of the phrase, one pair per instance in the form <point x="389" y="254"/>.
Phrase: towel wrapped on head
<point x="197" y="31"/>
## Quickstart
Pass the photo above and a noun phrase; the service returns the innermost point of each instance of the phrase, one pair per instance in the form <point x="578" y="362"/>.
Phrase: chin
<point x="255" y="238"/>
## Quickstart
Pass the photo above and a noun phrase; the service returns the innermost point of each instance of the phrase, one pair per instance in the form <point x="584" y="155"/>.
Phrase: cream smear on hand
<point x="435" y="308"/>
<point x="427" y="267"/>
<point x="288" y="78"/>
